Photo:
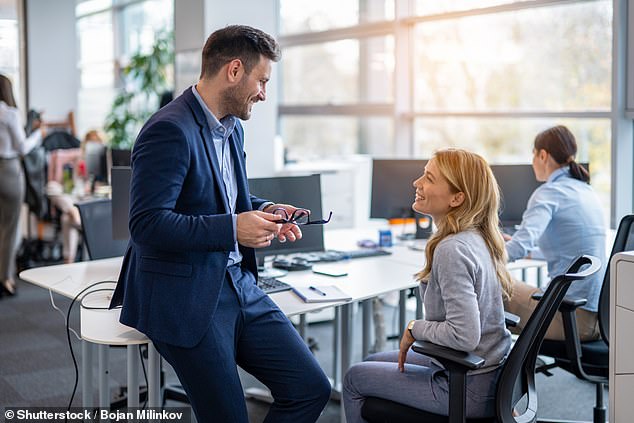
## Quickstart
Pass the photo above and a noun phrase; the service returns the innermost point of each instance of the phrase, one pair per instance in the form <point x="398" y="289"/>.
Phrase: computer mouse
<point x="292" y="264"/>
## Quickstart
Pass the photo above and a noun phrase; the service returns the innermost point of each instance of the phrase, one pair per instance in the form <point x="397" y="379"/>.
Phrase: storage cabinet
<point x="622" y="337"/>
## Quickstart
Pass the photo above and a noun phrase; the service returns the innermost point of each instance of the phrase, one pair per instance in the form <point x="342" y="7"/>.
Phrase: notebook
<point x="321" y="293"/>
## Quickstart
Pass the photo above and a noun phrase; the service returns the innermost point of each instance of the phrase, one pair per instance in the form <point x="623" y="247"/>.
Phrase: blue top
<point x="564" y="219"/>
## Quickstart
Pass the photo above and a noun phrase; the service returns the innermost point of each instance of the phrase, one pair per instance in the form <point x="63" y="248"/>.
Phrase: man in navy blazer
<point x="188" y="276"/>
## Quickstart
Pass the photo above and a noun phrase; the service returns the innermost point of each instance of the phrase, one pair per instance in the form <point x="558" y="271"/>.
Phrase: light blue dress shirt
<point x="221" y="130"/>
<point x="564" y="220"/>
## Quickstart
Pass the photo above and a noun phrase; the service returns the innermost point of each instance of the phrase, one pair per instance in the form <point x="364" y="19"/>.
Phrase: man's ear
<point x="235" y="69"/>
<point x="457" y="199"/>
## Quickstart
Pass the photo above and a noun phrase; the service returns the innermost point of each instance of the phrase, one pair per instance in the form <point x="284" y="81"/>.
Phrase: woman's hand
<point x="406" y="342"/>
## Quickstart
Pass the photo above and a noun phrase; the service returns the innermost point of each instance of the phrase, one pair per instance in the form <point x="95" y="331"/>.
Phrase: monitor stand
<point x="424" y="226"/>
<point x="271" y="272"/>
<point x="268" y="271"/>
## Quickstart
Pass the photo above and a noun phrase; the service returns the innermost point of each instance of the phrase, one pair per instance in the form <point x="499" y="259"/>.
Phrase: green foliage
<point x="144" y="79"/>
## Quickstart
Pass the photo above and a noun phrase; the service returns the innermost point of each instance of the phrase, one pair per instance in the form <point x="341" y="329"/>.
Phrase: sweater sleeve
<point x="454" y="270"/>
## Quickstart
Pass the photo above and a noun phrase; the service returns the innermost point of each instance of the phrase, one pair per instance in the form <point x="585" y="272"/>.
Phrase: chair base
<point x="379" y="410"/>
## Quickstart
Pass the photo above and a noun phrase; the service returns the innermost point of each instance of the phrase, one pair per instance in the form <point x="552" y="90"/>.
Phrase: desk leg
<point x="523" y="275"/>
<point x="104" y="379"/>
<point x="365" y="337"/>
<point x="402" y="311"/>
<point x="346" y="346"/>
<point x="335" y="349"/>
<point x="154" y="377"/>
<point x="539" y="276"/>
<point x="133" y="375"/>
<point x="86" y="374"/>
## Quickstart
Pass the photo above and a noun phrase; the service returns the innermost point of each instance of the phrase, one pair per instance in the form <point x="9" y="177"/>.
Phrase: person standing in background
<point x="13" y="145"/>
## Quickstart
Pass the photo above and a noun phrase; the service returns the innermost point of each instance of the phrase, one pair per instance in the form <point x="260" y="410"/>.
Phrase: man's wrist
<point x="266" y="205"/>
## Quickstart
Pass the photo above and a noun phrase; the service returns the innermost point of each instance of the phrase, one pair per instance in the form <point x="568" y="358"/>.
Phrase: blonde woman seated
<point x="463" y="284"/>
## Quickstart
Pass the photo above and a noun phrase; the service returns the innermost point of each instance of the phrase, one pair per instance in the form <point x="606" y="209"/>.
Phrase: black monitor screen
<point x="392" y="190"/>
<point x="120" y="201"/>
<point x="517" y="183"/>
<point x="96" y="163"/>
<point x="300" y="191"/>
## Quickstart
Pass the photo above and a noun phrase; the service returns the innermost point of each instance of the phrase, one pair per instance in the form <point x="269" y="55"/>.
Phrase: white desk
<point x="367" y="278"/>
<point x="69" y="280"/>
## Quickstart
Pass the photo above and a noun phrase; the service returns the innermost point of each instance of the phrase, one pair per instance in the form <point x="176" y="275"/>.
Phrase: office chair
<point x="96" y="222"/>
<point x="589" y="360"/>
<point x="516" y="391"/>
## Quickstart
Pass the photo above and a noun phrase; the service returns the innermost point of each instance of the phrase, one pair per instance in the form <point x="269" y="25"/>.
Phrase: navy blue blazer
<point x="181" y="229"/>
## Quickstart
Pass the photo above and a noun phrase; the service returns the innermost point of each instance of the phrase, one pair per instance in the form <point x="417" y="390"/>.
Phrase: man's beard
<point x="232" y="103"/>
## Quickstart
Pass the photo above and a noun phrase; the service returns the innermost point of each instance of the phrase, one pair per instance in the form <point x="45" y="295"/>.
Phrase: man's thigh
<point x="270" y="348"/>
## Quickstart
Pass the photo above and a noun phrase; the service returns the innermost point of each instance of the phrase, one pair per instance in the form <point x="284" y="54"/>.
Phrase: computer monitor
<point x="392" y="193"/>
<point x="517" y="183"/>
<point x="300" y="191"/>
<point x="121" y="157"/>
<point x="96" y="163"/>
<point x="120" y="178"/>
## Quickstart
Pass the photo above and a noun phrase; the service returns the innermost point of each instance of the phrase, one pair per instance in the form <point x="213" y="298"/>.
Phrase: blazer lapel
<point x="205" y="134"/>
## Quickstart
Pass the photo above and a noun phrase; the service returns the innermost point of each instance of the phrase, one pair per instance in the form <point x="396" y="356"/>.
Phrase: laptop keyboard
<point x="270" y="285"/>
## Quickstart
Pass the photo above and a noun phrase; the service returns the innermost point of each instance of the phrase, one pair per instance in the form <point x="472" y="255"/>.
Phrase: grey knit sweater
<point x="463" y="301"/>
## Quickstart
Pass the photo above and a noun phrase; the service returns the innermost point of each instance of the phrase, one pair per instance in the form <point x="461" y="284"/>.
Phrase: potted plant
<point x="144" y="80"/>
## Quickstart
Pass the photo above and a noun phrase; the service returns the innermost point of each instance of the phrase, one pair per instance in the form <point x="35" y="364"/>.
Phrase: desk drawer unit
<point x="622" y="337"/>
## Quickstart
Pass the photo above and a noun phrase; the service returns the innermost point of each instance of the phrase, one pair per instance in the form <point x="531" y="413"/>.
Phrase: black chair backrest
<point x="518" y="374"/>
<point x="624" y="241"/>
<point x="96" y="222"/>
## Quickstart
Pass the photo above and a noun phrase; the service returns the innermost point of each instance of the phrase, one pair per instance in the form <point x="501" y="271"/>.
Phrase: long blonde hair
<point x="470" y="174"/>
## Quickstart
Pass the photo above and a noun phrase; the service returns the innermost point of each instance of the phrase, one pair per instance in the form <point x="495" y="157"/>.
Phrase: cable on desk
<point x="70" y="344"/>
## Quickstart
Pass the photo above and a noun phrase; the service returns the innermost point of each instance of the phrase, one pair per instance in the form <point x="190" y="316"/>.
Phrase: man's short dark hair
<point x="237" y="42"/>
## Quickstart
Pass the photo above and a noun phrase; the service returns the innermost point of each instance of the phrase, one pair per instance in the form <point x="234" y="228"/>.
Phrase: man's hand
<point x="289" y="231"/>
<point x="256" y="229"/>
<point x="406" y="342"/>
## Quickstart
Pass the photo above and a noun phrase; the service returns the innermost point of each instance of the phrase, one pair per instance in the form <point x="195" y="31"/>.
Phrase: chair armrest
<point x="511" y="320"/>
<point x="568" y="304"/>
<point x="447" y="356"/>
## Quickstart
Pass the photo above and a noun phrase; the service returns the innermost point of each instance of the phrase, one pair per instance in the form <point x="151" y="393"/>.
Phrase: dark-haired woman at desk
<point x="563" y="220"/>
<point x="463" y="284"/>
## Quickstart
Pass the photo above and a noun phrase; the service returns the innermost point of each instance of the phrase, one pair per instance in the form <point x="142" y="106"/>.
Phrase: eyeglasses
<point x="299" y="217"/>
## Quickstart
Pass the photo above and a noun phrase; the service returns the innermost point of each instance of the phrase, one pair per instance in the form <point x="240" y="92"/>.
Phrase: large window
<point x="421" y="75"/>
<point x="9" y="46"/>
<point x="109" y="32"/>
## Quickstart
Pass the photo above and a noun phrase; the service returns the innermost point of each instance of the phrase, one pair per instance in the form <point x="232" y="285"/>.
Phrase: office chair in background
<point x="516" y="386"/>
<point x="96" y="222"/>
<point x="589" y="360"/>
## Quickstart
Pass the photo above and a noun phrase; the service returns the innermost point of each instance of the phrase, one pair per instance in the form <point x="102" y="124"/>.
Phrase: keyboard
<point x="335" y="255"/>
<point x="365" y="252"/>
<point x="270" y="285"/>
